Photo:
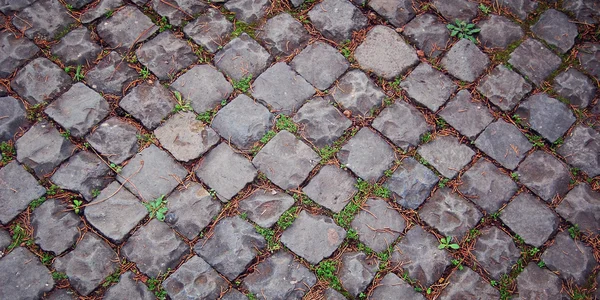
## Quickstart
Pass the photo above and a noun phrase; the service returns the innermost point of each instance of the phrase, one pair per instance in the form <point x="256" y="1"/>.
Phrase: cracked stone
<point x="466" y="284"/>
<point x="242" y="57"/>
<point x="149" y="103"/>
<point x="166" y="55"/>
<point x="581" y="206"/>
<point x="530" y="219"/>
<point x="584" y="11"/>
<point x="468" y="116"/>
<point x="128" y="288"/>
<point x="411" y="183"/>
<point x="320" y="64"/>
<point x="447" y="155"/>
<point x="100" y="10"/>
<point x="77" y="48"/>
<point x="402" y="124"/>
<point x="210" y="30"/>
<point x="178" y="11"/>
<point x="283" y="34"/>
<point x="40" y="81"/>
<point x="504" y="87"/>
<point x="535" y="282"/>
<point x="357" y="93"/>
<point x="428" y="33"/>
<point x="203" y="86"/>
<point x="125" y="28"/>
<point x="556" y="29"/>
<point x="544" y="175"/>
<point x="17" y="189"/>
<point x="392" y="287"/>
<point x="496" y="252"/>
<point x="13" y="117"/>
<point x="14" y="52"/>
<point x="397" y="13"/>
<point x="449" y="213"/>
<point x="378" y="225"/>
<point x="23" y="276"/>
<point x="520" y="8"/>
<point x="185" y="137"/>
<point x="55" y="228"/>
<point x="589" y="58"/>
<point x="465" y="50"/>
<point x="320" y="122"/>
<point x="503" y="142"/>
<point x="248" y="11"/>
<point x="486" y="186"/>
<point x="281" y="88"/>
<point x="111" y="75"/>
<point x="548" y="116"/>
<point x="575" y="87"/>
<point x="572" y="259"/>
<point x="115" y="139"/>
<point x="428" y="86"/>
<point x="456" y="9"/>
<point x="84" y="172"/>
<point x="191" y="209"/>
<point x="42" y="148"/>
<point x="337" y="19"/>
<point x="356" y="271"/>
<point x="534" y="60"/>
<point x="499" y="32"/>
<point x="45" y="19"/>
<point x="264" y="207"/>
<point x="367" y="155"/>
<point x="333" y="194"/>
<point x="195" y="279"/>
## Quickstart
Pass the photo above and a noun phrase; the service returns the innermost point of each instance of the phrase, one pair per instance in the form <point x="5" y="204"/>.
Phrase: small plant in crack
<point x="112" y="278"/>
<point x="182" y="105"/>
<point x="327" y="153"/>
<point x="426" y="137"/>
<point x="59" y="276"/>
<point x="76" y="206"/>
<point x="79" y="73"/>
<point x="463" y="30"/>
<point x="514" y="176"/>
<point x="157" y="208"/>
<point x="155" y="285"/>
<point x="243" y="84"/>
<point x="457" y="263"/>
<point x="574" y="231"/>
<point x="37" y="202"/>
<point x="269" y="235"/>
<point x="19" y="236"/>
<point x="285" y="123"/>
<point x="484" y="9"/>
<point x="163" y="24"/>
<point x="446" y="243"/>
<point x="326" y="271"/>
<point x="116" y="168"/>
<point x="381" y="191"/>
<point x="287" y="218"/>
<point x="8" y="152"/>
<point x="443" y="182"/>
<point x="144" y="72"/>
<point x="536" y="140"/>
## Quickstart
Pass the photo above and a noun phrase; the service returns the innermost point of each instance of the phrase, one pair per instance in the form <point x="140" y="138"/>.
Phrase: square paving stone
<point x="320" y="122"/>
<point x="225" y="171"/>
<point x="185" y="137"/>
<point x="447" y="155"/>
<point x="392" y="287"/>
<point x="573" y="260"/>
<point x="78" y="110"/>
<point x="331" y="294"/>
<point x="385" y="53"/>
<point x="581" y="206"/>
<point x="14" y="52"/>
<point x="357" y="93"/>
<point x="166" y="55"/>
<point x="115" y="212"/>
<point x="428" y="87"/>
<point x="89" y="264"/>
<point x="178" y="11"/>
<point x="281" y="88"/>
<point x="378" y="225"/>
<point x="283" y="34"/>
<point x="14" y="118"/>
<point x="411" y="183"/>
<point x="486" y="186"/>
<point x="504" y="87"/>
<point x="588" y="56"/>
<point x="128" y="288"/>
<point x="466" y="284"/>
<point x="581" y="150"/>
<point x="264" y="207"/>
<point x="153" y="172"/>
<point x="556" y="29"/>
<point x="286" y="160"/>
<point x="115" y="139"/>
<point x="495" y="252"/>
<point x="210" y="30"/>
<point x="248" y="11"/>
<point x="333" y="194"/>
<point x="309" y="230"/>
<point x="456" y="9"/>
<point x="149" y="103"/>
<point x="548" y="116"/>
<point x="519" y="8"/>
<point x="465" y="61"/>
<point x="155" y="248"/>
<point x="535" y="282"/>
<point x="530" y="219"/>
<point x="280" y="277"/>
<point x="320" y="64"/>
<point x="428" y="33"/>
<point x="356" y="271"/>
<point x="499" y="32"/>
<point x="418" y="254"/>
<point x="402" y="124"/>
<point x="544" y="175"/>
<point x="195" y="279"/>
<point x="45" y="19"/>
<point x="584" y="11"/>
<point x="337" y="19"/>
<point x="17" y="189"/>
<point x="125" y="28"/>
<point x="84" y="172"/>
<point x="14" y="6"/>
<point x="55" y="228"/>
<point x="242" y="57"/>
<point x="42" y="148"/>
<point x="90" y="14"/>
<point x="234" y="294"/>
<point x="204" y="87"/>
<point x="77" y="48"/>
<point x="534" y="60"/>
<point x="468" y="116"/>
<point x="191" y="208"/>
<point x="40" y="81"/>
<point x="231" y="247"/>
<point x="575" y="87"/>
<point x="503" y="142"/>
<point x="449" y="213"/>
<point x="367" y="155"/>
<point x="24" y="276"/>
<point x="397" y="13"/>
<point x="111" y="75"/>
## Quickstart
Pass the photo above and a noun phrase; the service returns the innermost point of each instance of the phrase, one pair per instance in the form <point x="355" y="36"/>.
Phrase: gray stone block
<point x="428" y="33"/>
<point x="556" y="29"/>
<point x="588" y="58"/>
<point x="40" y="81"/>
<point x="166" y="55"/>
<point x="115" y="139"/>
<point x="128" y="288"/>
<point x="411" y="183"/>
<point x="456" y="9"/>
<point x="242" y="57"/>
<point x="466" y="284"/>
<point x="282" y="89"/>
<point x="14" y="52"/>
<point x="428" y="87"/>
<point x="77" y="48"/>
<point x="530" y="219"/>
<point x="42" y="148"/>
<point x="546" y="115"/>
<point x="337" y="19"/>
<point x="465" y="61"/>
<point x="320" y="122"/>
<point x="13" y="117"/>
<point x="264" y="207"/>
<point x="537" y="282"/>
<point x="100" y="10"/>
<point x="468" y="116"/>
<point x="178" y="11"/>
<point x="504" y="87"/>
<point x="283" y="35"/>
<point x="203" y="86"/>
<point x="449" y="213"/>
<point x="544" y="175"/>
<point x="320" y="64"/>
<point x="495" y="252"/>
<point x="356" y="271"/>
<point x="447" y="155"/>
<point x="249" y="11"/>
<point x="191" y="208"/>
<point x="125" y="28"/>
<point x="520" y="8"/>
<point x="111" y="75"/>
<point x="55" y="228"/>
<point x="572" y="259"/>
<point x="367" y="155"/>
<point x="503" y="142"/>
<point x="17" y="189"/>
<point x="378" y="225"/>
<point x="44" y="19"/>
<point x="584" y="11"/>
<point x="84" y="172"/>
<point x="357" y="93"/>
<point x="211" y="30"/>
<point x="499" y="32"/>
<point x="575" y="87"/>
<point x="149" y="103"/>
<point x="534" y="61"/>
<point x="581" y="206"/>
<point x="333" y="194"/>
<point x="185" y="137"/>
<point x="397" y="13"/>
<point x="486" y="186"/>
<point x="195" y="279"/>
<point x="23" y="276"/>
<point x="392" y="287"/>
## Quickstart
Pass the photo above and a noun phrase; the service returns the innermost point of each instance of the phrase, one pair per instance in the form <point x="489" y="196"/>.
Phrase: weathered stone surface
<point x="149" y="103"/>
<point x="249" y="11"/>
<point x="234" y="294"/>
<point x="504" y="87"/>
<point x="581" y="206"/>
<point x="77" y="4"/>
<point x="584" y="11"/>
<point x="62" y="294"/>
<point x="264" y="207"/>
<point x="23" y="276"/>
<point x="411" y="183"/>
<point x="280" y="277"/>
<point x="456" y="9"/>
<point x="572" y="259"/>
<point x="7" y="7"/>
<point x="331" y="294"/>
<point x="468" y="116"/>
<point x="534" y="61"/>
<point x="154" y="248"/>
<point x="535" y="282"/>
<point x="485" y="185"/>
<point x="225" y="171"/>
<point x="575" y="87"/>
<point x="128" y="288"/>
<point x="356" y="271"/>
<point x="100" y="10"/>
<point x="191" y="208"/>
<point x="17" y="189"/>
<point x="504" y="143"/>
<point x="111" y="75"/>
<point x="589" y="59"/>
<point x="337" y="19"/>
<point x="428" y="87"/>
<point x="40" y="80"/>
<point x="14" y="52"/>
<point x="392" y="287"/>
<point x="5" y="241"/>
<point x="45" y="19"/>
<point x="397" y="13"/>
<point x="465" y="61"/>
<point x="286" y="161"/>
<point x="12" y="117"/>
<point x="232" y="246"/>
<point x="320" y="64"/>
<point x="548" y="116"/>
<point x="88" y="265"/>
<point x="544" y="175"/>
<point x="84" y="172"/>
<point x="357" y="93"/>
<point x="449" y="213"/>
<point x="125" y="28"/>
<point x="166" y="55"/>
<point x="333" y="194"/>
<point x="495" y="252"/>
<point x="378" y="225"/>
<point x="78" y="110"/>
<point x="321" y="123"/>
<point x="447" y="155"/>
<point x="77" y="48"/>
<point x="115" y="139"/>
<point x="418" y="254"/>
<point x="115" y="212"/>
<point x="530" y="219"/>
<point x="519" y="8"/>
<point x="556" y="29"/>
<point x="210" y="30"/>
<point x="195" y="279"/>
<point x="281" y="88"/>
<point x="402" y="124"/>
<point x="367" y="155"/>
<point x="466" y="284"/>
<point x="204" y="87"/>
<point x="385" y="53"/>
<point x="242" y="57"/>
<point x="42" y="148"/>
<point x="499" y="32"/>
<point x="185" y="137"/>
<point x="153" y="172"/>
<point x="55" y="228"/>
<point x="283" y="34"/>
<point x="178" y="11"/>
<point x="428" y="33"/>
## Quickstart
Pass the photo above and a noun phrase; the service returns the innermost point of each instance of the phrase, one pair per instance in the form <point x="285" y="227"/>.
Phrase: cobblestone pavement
<point x="334" y="149"/>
